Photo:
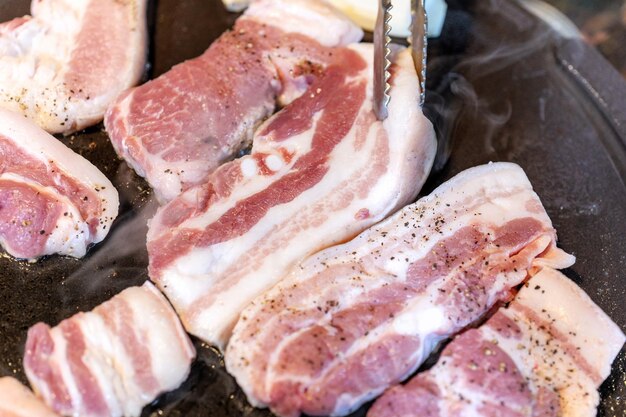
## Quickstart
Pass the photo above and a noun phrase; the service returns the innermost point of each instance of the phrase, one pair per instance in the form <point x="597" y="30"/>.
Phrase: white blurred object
<point x="363" y="13"/>
<point x="236" y="5"/>
<point x="552" y="16"/>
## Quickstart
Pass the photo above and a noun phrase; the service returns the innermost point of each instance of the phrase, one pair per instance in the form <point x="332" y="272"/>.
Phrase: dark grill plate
<point x="502" y="87"/>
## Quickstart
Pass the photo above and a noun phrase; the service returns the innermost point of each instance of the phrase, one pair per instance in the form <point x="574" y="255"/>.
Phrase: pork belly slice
<point x="545" y="355"/>
<point x="111" y="361"/>
<point x="18" y="401"/>
<point x="321" y="171"/>
<point x="356" y="318"/>
<point x="52" y="200"/>
<point x="177" y="129"/>
<point x="62" y="66"/>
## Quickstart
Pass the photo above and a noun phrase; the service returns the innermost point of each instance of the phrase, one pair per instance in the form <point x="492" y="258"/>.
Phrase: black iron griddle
<point x="502" y="86"/>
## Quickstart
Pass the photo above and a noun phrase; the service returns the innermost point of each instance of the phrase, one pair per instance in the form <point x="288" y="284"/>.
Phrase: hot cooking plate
<point x="502" y="86"/>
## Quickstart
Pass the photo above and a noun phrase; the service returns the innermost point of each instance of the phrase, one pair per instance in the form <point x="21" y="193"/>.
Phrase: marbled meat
<point x="356" y="318"/>
<point x="175" y="130"/>
<point x="111" y="361"/>
<point x="543" y="356"/>
<point x="321" y="170"/>
<point x="62" y="66"/>
<point x="52" y="200"/>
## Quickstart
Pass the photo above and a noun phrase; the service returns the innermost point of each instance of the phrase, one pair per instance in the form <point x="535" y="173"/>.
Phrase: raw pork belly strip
<point x="17" y="401"/>
<point x="356" y="318"/>
<point x="64" y="65"/>
<point x="111" y="361"/>
<point x="321" y="170"/>
<point x="545" y="355"/>
<point x="175" y="130"/>
<point x="52" y="200"/>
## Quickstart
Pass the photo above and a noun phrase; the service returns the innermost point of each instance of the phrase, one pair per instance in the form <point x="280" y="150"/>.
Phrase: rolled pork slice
<point x="354" y="319"/>
<point x="52" y="200"/>
<point x="62" y="66"/>
<point x="18" y="401"/>
<point x="321" y="170"/>
<point x="111" y="361"/>
<point x="544" y="355"/>
<point x="178" y="128"/>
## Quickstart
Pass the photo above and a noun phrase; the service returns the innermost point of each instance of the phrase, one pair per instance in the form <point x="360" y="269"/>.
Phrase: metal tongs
<point x="382" y="53"/>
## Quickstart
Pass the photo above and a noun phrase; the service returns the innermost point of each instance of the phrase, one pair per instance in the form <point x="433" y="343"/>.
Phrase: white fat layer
<point x="45" y="148"/>
<point x="16" y="399"/>
<point x="105" y="359"/>
<point x="588" y="331"/>
<point x="34" y="59"/>
<point x="249" y="168"/>
<point x="59" y="356"/>
<point x="422" y="318"/>
<point x="312" y="18"/>
<point x="587" y="326"/>
<point x="156" y="318"/>
<point x="274" y="162"/>
<point x="195" y="275"/>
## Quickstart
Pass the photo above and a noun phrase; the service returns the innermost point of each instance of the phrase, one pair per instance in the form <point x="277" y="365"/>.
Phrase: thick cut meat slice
<point x="543" y="356"/>
<point x="321" y="170"/>
<point x="64" y="65"/>
<point x="356" y="318"/>
<point x="52" y="200"/>
<point x="175" y="130"/>
<point x="17" y="401"/>
<point x="111" y="361"/>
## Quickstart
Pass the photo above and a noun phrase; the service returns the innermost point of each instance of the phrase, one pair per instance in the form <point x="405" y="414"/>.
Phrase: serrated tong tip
<point x="382" y="53"/>
<point x="382" y="60"/>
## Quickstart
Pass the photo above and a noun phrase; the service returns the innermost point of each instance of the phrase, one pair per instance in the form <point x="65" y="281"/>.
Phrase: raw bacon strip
<point x="64" y="65"/>
<point x="175" y="130"/>
<point x="359" y="317"/>
<point x="52" y="200"/>
<point x="321" y="170"/>
<point x="545" y="355"/>
<point x="17" y="401"/>
<point x="111" y="361"/>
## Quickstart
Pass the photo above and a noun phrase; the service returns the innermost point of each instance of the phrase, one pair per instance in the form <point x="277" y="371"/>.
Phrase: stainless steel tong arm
<point x="382" y="53"/>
